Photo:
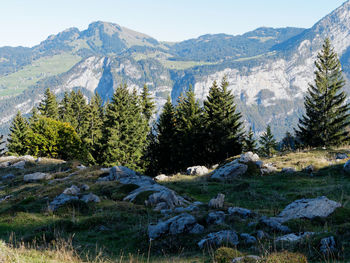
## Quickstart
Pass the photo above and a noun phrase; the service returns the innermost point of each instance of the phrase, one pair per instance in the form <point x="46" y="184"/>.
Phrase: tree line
<point x="122" y="132"/>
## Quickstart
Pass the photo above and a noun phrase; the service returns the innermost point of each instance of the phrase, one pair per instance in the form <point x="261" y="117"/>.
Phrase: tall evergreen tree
<point x="223" y="124"/>
<point x="18" y="137"/>
<point x="249" y="143"/>
<point x="147" y="103"/>
<point x="48" y="107"/>
<point x="66" y="113"/>
<point x="2" y="148"/>
<point x="79" y="110"/>
<point x="161" y="151"/>
<point x="34" y="115"/>
<point x="326" y="110"/>
<point x="189" y="131"/>
<point x="267" y="142"/>
<point x="123" y="133"/>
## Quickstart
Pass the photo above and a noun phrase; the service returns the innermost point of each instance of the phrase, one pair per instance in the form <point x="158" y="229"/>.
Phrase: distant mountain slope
<point x="268" y="69"/>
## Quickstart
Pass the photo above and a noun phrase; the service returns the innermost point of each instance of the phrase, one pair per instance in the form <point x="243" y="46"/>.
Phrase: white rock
<point x="291" y="238"/>
<point x="217" y="202"/>
<point x="308" y="208"/>
<point x="61" y="200"/>
<point x="197" y="170"/>
<point x="36" y="177"/>
<point x="161" y="178"/>
<point x="19" y="165"/>
<point x="229" y="171"/>
<point x="289" y="170"/>
<point x="242" y="212"/>
<point x="90" y="198"/>
<point x="73" y="190"/>
<point x="225" y="237"/>
<point x="249" y="157"/>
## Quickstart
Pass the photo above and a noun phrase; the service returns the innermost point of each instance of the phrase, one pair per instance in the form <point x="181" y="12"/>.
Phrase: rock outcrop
<point x="197" y="170"/>
<point x="225" y="237"/>
<point x="229" y="171"/>
<point x="36" y="177"/>
<point x="217" y="202"/>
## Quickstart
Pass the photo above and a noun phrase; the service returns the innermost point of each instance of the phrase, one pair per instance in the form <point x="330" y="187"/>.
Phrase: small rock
<point x="249" y="157"/>
<point x="248" y="239"/>
<point x="229" y="171"/>
<point x="197" y="229"/>
<point x="19" y="165"/>
<point x="73" y="190"/>
<point x="268" y="168"/>
<point x="61" y="200"/>
<point x="292" y="238"/>
<point x="308" y="208"/>
<point x="213" y="167"/>
<point x="5" y="198"/>
<point x="39" y="160"/>
<point x="84" y="187"/>
<point x="90" y="198"/>
<point x="289" y="170"/>
<point x="5" y="164"/>
<point x="217" y="202"/>
<point x="225" y="237"/>
<point x="197" y="170"/>
<point x="328" y="246"/>
<point x="216" y="218"/>
<point x="274" y="225"/>
<point x="81" y="167"/>
<point x="161" y="178"/>
<point x="341" y="156"/>
<point x="242" y="212"/>
<point x="197" y="203"/>
<point x="249" y="258"/>
<point x="8" y="177"/>
<point x="36" y="177"/>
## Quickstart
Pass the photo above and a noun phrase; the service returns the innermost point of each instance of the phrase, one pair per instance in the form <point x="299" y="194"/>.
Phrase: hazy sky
<point x="28" y="22"/>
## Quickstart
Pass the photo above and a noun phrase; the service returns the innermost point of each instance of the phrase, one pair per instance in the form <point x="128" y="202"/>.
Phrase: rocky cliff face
<point x="269" y="78"/>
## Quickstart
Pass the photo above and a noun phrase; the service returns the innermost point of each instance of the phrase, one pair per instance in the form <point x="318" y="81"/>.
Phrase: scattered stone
<point x="292" y="238"/>
<point x="5" y="198"/>
<point x="242" y="212"/>
<point x="81" y="167"/>
<point x="161" y="178"/>
<point x="39" y="160"/>
<point x="197" y="203"/>
<point x="217" y="202"/>
<point x="262" y="235"/>
<point x="249" y="258"/>
<point x="19" y="165"/>
<point x="197" y="170"/>
<point x="289" y="170"/>
<point x="5" y="164"/>
<point x="167" y="196"/>
<point x="268" y="168"/>
<point x="27" y="158"/>
<point x="36" y="177"/>
<point x="309" y="169"/>
<point x="308" y="208"/>
<point x="216" y="218"/>
<point x="90" y="198"/>
<point x="341" y="156"/>
<point x="73" y="190"/>
<point x="84" y="187"/>
<point x="248" y="239"/>
<point x="8" y="177"/>
<point x="197" y="229"/>
<point x="347" y="167"/>
<point x="226" y="237"/>
<point x="249" y="157"/>
<point x="61" y="200"/>
<point x="274" y="225"/>
<point x="213" y="167"/>
<point x="328" y="246"/>
<point x="184" y="223"/>
<point x="8" y="158"/>
<point x="229" y="171"/>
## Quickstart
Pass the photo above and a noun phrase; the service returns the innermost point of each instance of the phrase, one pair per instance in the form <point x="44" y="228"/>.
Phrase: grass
<point x="114" y="230"/>
<point x="15" y="83"/>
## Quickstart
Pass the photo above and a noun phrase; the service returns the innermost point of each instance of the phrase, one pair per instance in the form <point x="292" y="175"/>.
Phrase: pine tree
<point x="288" y="143"/>
<point x="147" y="103"/>
<point x="79" y="110"/>
<point x="18" y="138"/>
<point x="34" y="115"/>
<point x="326" y="110"/>
<point x="189" y="131"/>
<point x="161" y="151"/>
<point x="123" y="133"/>
<point x="48" y="106"/>
<point x="267" y="142"/>
<point x="93" y="124"/>
<point x="2" y="149"/>
<point x="249" y="143"/>
<point x="223" y="124"/>
<point x="66" y="113"/>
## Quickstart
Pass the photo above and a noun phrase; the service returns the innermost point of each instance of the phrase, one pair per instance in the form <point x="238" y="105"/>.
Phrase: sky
<point x="28" y="22"/>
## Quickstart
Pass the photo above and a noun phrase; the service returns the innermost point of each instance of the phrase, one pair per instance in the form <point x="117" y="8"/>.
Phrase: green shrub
<point x="225" y="254"/>
<point x="285" y="257"/>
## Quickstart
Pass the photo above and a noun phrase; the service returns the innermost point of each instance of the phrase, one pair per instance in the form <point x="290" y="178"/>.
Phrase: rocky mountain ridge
<point x="268" y="69"/>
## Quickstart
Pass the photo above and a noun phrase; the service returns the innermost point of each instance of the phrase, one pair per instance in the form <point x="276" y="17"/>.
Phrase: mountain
<point x="268" y="69"/>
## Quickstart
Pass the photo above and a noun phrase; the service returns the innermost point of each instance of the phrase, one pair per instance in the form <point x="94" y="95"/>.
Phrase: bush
<point x="285" y="257"/>
<point x="225" y="254"/>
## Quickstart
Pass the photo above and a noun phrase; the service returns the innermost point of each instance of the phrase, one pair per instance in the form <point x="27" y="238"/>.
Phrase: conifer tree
<point x="34" y="115"/>
<point x="147" y="103"/>
<point x="18" y="137"/>
<point x="79" y="110"/>
<point x="189" y="131"/>
<point x="66" y="113"/>
<point x="223" y="127"/>
<point x="123" y="133"/>
<point x="2" y="149"/>
<point x="161" y="151"/>
<point x="48" y="106"/>
<point x="326" y="109"/>
<point x="249" y="143"/>
<point x="267" y="142"/>
<point x="288" y="143"/>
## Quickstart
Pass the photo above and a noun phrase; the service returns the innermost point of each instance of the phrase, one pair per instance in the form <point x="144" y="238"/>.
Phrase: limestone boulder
<point x="229" y="171"/>
<point x="225" y="237"/>
<point x="61" y="200"/>
<point x="217" y="202"/>
<point x="36" y="177"/>
<point x="197" y="170"/>
<point x="90" y="198"/>
<point x="249" y="157"/>
<point x="216" y="218"/>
